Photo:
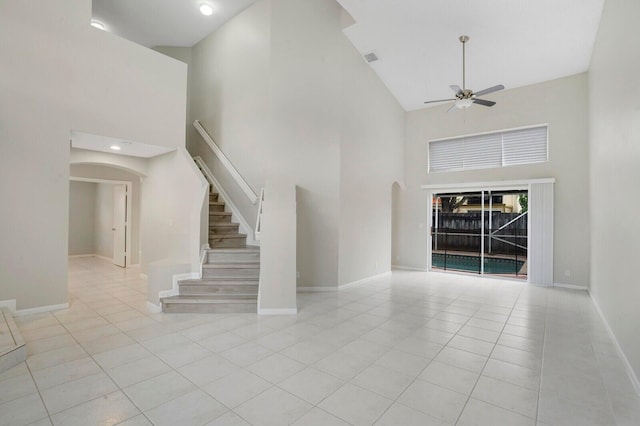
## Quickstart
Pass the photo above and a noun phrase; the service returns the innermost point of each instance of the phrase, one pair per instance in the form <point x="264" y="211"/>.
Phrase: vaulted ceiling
<point x="513" y="42"/>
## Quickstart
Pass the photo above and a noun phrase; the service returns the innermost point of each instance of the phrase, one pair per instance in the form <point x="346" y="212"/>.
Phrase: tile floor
<point x="412" y="349"/>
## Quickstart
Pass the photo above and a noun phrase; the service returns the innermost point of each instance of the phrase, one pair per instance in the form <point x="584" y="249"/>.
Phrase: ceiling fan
<point x="465" y="97"/>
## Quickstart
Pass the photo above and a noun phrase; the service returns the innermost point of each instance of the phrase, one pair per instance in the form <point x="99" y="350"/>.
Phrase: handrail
<point x="259" y="217"/>
<point x="226" y="163"/>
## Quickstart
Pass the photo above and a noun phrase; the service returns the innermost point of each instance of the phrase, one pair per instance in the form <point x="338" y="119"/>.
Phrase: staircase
<point x="230" y="274"/>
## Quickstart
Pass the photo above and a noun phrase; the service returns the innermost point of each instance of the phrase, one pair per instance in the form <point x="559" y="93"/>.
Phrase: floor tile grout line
<point x="487" y="361"/>
<point x="104" y="371"/>
<point x="544" y="345"/>
<point x="39" y="393"/>
<point x="422" y="371"/>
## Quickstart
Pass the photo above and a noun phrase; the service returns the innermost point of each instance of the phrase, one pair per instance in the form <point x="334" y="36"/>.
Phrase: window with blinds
<point x="490" y="150"/>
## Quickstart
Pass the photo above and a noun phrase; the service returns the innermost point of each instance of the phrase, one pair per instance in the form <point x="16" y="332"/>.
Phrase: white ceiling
<point x="92" y="142"/>
<point x="513" y="42"/>
<point x="164" y="22"/>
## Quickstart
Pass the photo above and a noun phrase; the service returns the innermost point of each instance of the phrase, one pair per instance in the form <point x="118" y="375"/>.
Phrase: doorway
<point x="483" y="231"/>
<point x="100" y="219"/>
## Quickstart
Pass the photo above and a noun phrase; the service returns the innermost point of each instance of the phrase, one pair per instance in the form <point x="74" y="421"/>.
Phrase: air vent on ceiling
<point x="371" y="57"/>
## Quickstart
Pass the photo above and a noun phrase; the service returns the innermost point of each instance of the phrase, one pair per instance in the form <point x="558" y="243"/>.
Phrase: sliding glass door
<point x="480" y="232"/>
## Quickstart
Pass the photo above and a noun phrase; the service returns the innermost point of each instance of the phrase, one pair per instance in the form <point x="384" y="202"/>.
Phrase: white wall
<point x="562" y="104"/>
<point x="104" y="220"/>
<point x="170" y="228"/>
<point x="615" y="171"/>
<point x="182" y="54"/>
<point x="82" y="204"/>
<point x="64" y="75"/>
<point x="284" y="93"/>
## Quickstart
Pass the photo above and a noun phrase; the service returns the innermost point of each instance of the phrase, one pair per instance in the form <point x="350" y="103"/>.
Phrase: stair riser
<point x="204" y="308"/>
<point x="231" y="273"/>
<point x="208" y="290"/>
<point x="214" y="197"/>
<point x="233" y="257"/>
<point x="216" y="208"/>
<point x="226" y="243"/>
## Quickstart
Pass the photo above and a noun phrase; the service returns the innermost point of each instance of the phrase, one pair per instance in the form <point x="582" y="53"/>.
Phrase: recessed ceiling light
<point x="97" y="24"/>
<point x="115" y="147"/>
<point x="206" y="9"/>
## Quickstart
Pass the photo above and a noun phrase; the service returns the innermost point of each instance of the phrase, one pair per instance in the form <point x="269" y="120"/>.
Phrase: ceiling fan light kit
<point x="464" y="97"/>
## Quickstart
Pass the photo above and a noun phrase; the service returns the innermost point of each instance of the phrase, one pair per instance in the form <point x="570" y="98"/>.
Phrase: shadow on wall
<point x="396" y="189"/>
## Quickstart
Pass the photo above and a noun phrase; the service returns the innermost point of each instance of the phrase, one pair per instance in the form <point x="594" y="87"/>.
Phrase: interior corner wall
<point x="614" y="117"/>
<point x="82" y="204"/>
<point x="65" y="75"/>
<point x="371" y="160"/>
<point x="563" y="105"/>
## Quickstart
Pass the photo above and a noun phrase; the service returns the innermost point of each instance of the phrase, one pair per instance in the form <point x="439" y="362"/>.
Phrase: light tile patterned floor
<point x="412" y="349"/>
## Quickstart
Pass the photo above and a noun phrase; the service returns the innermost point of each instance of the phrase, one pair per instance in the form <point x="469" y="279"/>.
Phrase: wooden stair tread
<point x="230" y="281"/>
<point x="213" y="300"/>
<point x="218" y="236"/>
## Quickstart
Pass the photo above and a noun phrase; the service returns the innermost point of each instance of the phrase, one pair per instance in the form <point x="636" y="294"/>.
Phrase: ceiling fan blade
<point x="456" y="89"/>
<point x="489" y="90"/>
<point x="483" y="102"/>
<point x="439" y="100"/>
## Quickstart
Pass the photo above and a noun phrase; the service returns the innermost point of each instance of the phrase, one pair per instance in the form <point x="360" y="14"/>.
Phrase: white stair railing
<point x="259" y="217"/>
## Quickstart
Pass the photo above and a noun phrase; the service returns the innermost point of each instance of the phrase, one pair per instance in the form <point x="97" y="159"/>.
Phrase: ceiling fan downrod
<point x="464" y="39"/>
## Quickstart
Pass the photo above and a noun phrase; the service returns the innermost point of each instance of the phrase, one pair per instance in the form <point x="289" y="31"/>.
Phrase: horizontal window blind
<point x="491" y="150"/>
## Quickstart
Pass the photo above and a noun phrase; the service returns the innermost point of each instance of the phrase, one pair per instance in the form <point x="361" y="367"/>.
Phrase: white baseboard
<point x="153" y="308"/>
<point x="178" y="277"/>
<point x="408" y="268"/>
<point x="9" y="304"/>
<point x="284" y="311"/>
<point x="40" y="309"/>
<point x="108" y="259"/>
<point x="627" y="365"/>
<point x="316" y="289"/>
<point x="364" y="280"/>
<point x="571" y="286"/>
